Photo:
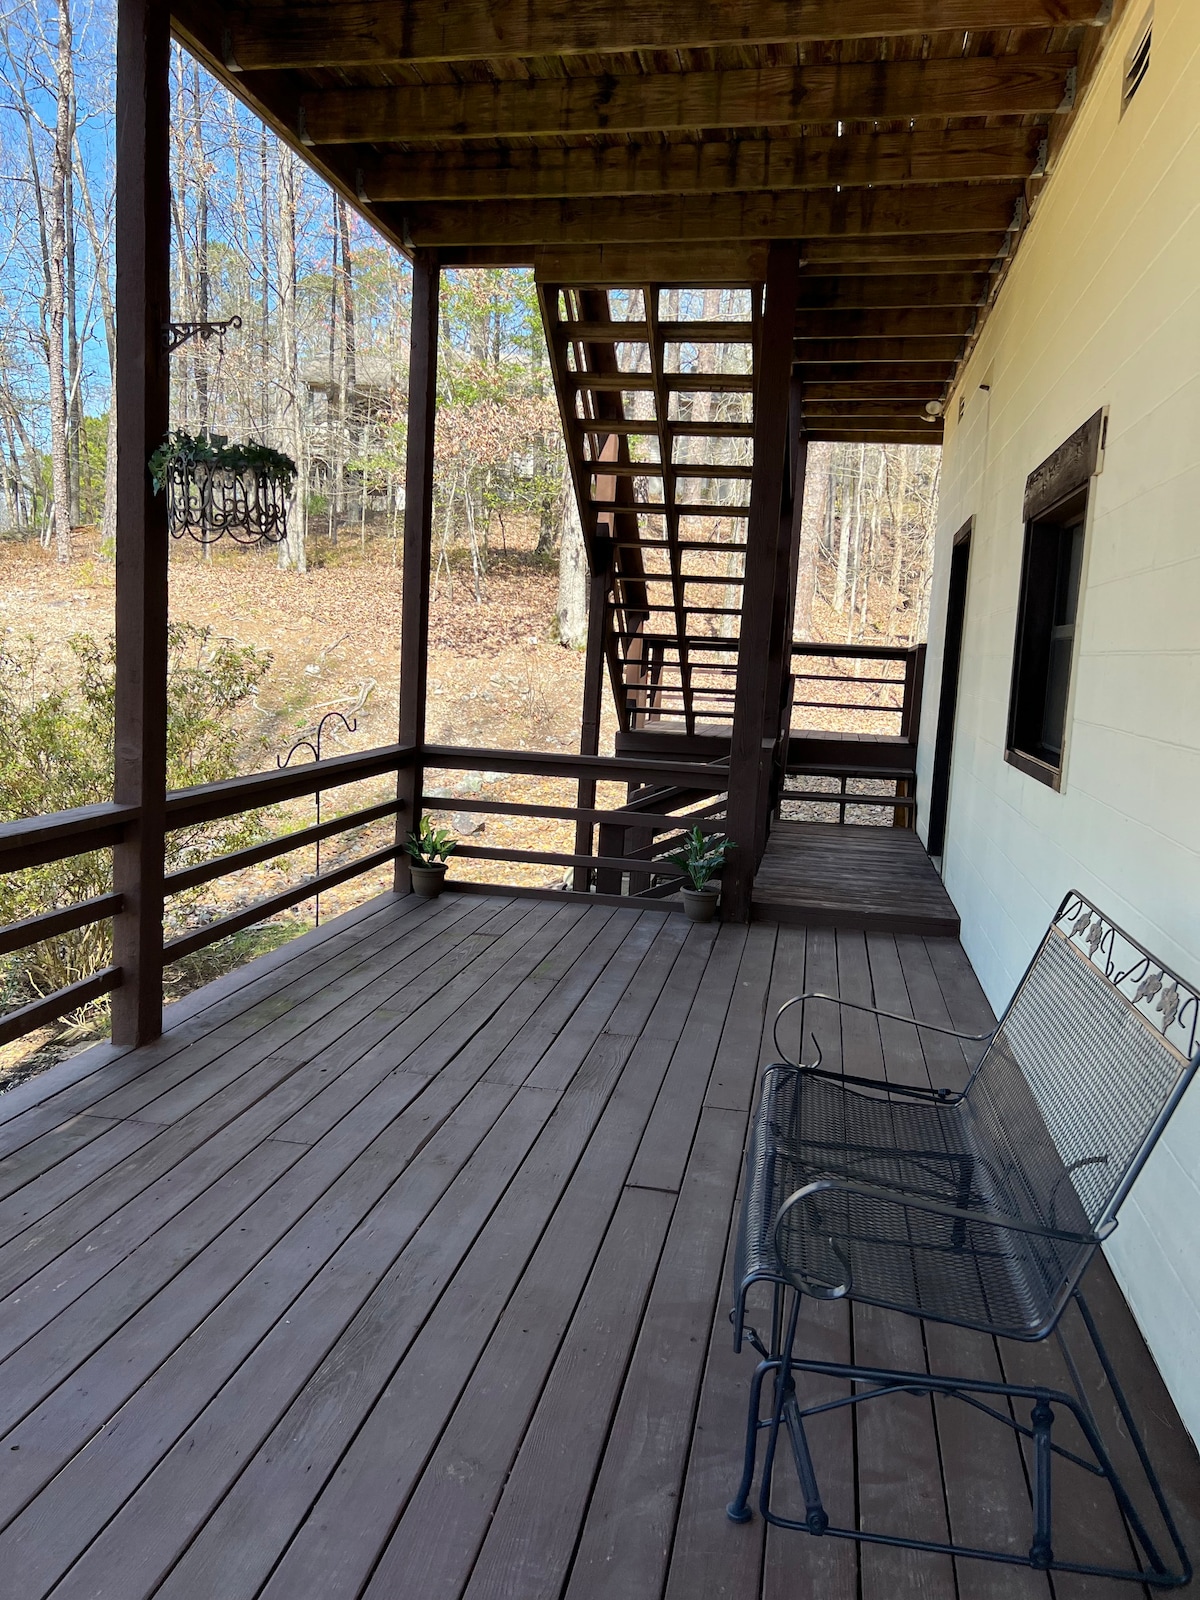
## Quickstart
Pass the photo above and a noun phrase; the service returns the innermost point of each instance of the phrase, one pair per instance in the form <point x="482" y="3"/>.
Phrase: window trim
<point x="1057" y="485"/>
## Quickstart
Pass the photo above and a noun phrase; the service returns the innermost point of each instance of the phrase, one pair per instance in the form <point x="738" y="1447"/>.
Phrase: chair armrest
<point x="913" y="1091"/>
<point x="875" y="1192"/>
<point x="875" y="1011"/>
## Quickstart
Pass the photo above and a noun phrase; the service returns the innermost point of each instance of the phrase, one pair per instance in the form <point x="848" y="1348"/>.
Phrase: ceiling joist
<point x="318" y="33"/>
<point x="663" y="102"/>
<point x="795" y="214"/>
<point x="816" y="162"/>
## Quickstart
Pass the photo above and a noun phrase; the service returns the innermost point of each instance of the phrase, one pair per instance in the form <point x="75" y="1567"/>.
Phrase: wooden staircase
<point x="656" y="390"/>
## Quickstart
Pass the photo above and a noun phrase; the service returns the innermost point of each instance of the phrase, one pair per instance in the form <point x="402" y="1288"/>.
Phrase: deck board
<point x="406" y="1273"/>
<point x="851" y="876"/>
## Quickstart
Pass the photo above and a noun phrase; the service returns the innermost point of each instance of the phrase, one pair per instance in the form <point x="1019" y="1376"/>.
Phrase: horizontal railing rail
<point x="210" y="802"/>
<point x="628" y="845"/>
<point x="35" y="841"/>
<point x="15" y="1024"/>
<point x="38" y="841"/>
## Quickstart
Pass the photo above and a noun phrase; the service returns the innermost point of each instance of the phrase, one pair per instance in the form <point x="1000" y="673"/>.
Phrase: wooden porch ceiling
<point x="896" y="139"/>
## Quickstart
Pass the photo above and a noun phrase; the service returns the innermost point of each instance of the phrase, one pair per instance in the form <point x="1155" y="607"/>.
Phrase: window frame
<point x="1057" y="497"/>
<point x="1066" y="520"/>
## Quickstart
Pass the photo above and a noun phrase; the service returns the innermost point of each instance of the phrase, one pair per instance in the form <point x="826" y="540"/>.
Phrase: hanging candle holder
<point x="215" y="488"/>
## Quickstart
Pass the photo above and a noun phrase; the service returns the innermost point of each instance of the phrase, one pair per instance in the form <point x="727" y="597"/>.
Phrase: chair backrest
<point x="1095" y="1050"/>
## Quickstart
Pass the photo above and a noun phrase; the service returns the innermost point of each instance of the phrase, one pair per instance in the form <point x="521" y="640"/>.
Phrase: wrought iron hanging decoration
<point x="214" y="487"/>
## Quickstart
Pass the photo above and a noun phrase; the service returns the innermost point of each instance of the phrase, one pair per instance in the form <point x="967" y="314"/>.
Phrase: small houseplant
<point x="701" y="857"/>
<point x="429" y="848"/>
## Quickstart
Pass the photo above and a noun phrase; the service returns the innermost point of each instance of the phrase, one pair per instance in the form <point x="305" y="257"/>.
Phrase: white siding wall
<point x="1102" y="308"/>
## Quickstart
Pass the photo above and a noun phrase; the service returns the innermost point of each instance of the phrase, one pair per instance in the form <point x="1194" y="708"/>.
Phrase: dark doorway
<point x="943" y="749"/>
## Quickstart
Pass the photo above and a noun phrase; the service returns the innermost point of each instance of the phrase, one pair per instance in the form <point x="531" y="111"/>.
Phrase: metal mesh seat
<point x="980" y="1208"/>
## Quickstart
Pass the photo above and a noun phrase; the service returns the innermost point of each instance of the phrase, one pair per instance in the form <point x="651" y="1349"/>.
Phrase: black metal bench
<point x="980" y="1208"/>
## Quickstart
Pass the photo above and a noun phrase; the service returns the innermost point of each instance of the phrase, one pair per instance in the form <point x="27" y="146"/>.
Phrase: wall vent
<point x="1137" y="62"/>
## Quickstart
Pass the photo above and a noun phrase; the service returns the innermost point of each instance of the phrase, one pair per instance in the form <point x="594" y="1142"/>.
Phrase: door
<point x="943" y="749"/>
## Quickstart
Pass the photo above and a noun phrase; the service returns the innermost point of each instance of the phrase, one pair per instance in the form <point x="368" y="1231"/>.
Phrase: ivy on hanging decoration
<point x="216" y="488"/>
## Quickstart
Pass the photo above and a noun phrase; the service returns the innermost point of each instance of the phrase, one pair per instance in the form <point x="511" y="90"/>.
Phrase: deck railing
<point x="633" y="838"/>
<point x="872" y="689"/>
<point x="626" y="867"/>
<point x="853" y="718"/>
<point x="42" y="840"/>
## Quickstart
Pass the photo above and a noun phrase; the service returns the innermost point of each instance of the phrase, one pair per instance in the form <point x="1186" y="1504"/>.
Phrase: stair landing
<point x="829" y="875"/>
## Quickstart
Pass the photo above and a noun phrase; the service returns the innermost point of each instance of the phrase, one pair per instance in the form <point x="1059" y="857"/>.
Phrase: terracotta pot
<point x="701" y="904"/>
<point x="428" y="880"/>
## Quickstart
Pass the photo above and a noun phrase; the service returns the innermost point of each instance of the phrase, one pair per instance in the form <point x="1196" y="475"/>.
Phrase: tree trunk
<point x="108" y="521"/>
<point x="293" y="551"/>
<point x="348" y="377"/>
<point x="75" y="432"/>
<point x="200" y="346"/>
<point x="56" y="308"/>
<point x="812" y="524"/>
<point x="571" y="615"/>
<point x="847" y="532"/>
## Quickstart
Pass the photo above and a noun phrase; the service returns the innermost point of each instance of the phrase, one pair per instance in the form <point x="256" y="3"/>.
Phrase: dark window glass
<point x="1045" y="643"/>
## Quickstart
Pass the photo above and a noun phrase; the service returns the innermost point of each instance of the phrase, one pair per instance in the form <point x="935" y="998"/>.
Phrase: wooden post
<point x="418" y="527"/>
<point x="778" y="699"/>
<point x="593" y="699"/>
<point x="143" y="308"/>
<point x="753" y="738"/>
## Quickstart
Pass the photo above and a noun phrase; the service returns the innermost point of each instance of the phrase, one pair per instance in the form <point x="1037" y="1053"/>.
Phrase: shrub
<point x="56" y="753"/>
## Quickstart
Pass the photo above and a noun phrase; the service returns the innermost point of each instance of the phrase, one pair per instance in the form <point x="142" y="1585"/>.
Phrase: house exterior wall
<point x="1101" y="309"/>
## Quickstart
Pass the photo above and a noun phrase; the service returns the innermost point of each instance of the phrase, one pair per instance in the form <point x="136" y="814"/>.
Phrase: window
<point x="1056" y="500"/>
<point x="1045" y="642"/>
<point x="1137" y="62"/>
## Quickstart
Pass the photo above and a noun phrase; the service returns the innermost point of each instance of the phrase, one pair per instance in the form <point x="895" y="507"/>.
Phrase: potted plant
<point x="216" y="488"/>
<point x="701" y="857"/>
<point x="429" y="847"/>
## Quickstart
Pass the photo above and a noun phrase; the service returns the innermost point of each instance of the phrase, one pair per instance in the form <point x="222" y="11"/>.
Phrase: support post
<point x="593" y="699"/>
<point x="143" y="309"/>
<point x="752" y="741"/>
<point x="778" y="698"/>
<point x="418" y="527"/>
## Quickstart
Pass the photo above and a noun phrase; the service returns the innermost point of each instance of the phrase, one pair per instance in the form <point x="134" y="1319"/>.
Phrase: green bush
<point x="56" y="753"/>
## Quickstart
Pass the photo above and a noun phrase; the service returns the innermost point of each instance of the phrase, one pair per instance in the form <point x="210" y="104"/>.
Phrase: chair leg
<point x="738" y="1509"/>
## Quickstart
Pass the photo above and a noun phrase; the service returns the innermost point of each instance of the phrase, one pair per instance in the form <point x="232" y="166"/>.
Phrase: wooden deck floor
<point x="822" y="874"/>
<point x="399" y="1268"/>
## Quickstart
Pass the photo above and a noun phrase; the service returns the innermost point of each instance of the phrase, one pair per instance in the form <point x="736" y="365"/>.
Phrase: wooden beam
<point x="735" y="265"/>
<point x="913" y="351"/>
<point x="418" y="526"/>
<point x="842" y="378"/>
<point x="897" y="253"/>
<point x="875" y="436"/>
<point x="638" y="219"/>
<point x="838" y="293"/>
<point x="591" y="712"/>
<point x="885" y="323"/>
<point x="820" y="413"/>
<point x="829" y="397"/>
<point x="324" y="33"/>
<point x="962" y="86"/>
<point x="143" y="306"/>
<point x="817" y="162"/>
<point x="769" y="517"/>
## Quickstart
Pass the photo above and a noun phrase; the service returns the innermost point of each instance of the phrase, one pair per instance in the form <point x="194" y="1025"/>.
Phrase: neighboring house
<point x="1076" y="733"/>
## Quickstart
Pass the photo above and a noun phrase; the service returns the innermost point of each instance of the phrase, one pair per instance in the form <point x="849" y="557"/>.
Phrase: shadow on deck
<point x="826" y="874"/>
<point x="399" y="1267"/>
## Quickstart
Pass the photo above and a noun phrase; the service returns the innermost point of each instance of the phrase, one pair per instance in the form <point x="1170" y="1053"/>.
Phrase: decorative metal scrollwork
<point x="1159" y="995"/>
<point x="177" y="333"/>
<point x="215" y="488"/>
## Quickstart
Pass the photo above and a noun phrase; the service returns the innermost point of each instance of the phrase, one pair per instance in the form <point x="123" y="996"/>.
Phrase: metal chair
<point x="980" y="1208"/>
